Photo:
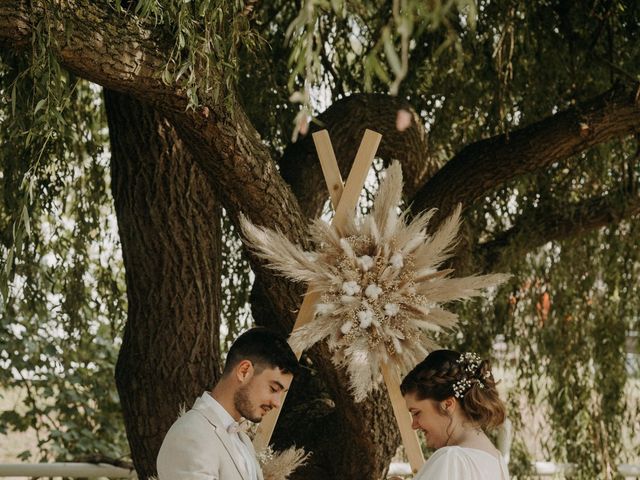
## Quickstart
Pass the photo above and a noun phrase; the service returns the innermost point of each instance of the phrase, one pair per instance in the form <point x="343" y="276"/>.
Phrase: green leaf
<point x="379" y="70"/>
<point x="8" y="266"/>
<point x="182" y="70"/>
<point x="24" y="455"/>
<point x="390" y="52"/>
<point x="203" y="8"/>
<point x="39" y="105"/>
<point x="25" y="220"/>
<point x="166" y="77"/>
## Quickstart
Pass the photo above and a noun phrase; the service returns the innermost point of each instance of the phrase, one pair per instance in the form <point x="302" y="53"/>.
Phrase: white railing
<point x="91" y="470"/>
<point x="69" y="470"/>
<point x="628" y="470"/>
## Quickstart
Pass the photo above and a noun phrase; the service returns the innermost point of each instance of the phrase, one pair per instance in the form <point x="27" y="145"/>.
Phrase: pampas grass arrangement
<point x="278" y="466"/>
<point x="379" y="284"/>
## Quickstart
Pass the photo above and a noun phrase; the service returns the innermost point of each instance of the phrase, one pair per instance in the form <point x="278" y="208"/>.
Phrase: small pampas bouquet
<point x="279" y="465"/>
<point x="379" y="285"/>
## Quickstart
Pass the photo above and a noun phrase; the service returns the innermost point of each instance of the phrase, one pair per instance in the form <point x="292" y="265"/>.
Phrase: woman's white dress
<point x="461" y="463"/>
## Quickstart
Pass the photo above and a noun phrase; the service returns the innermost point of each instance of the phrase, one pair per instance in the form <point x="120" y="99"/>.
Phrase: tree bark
<point x="169" y="223"/>
<point x="346" y="121"/>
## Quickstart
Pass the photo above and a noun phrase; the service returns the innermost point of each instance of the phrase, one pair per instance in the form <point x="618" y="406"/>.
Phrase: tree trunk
<point x="169" y="222"/>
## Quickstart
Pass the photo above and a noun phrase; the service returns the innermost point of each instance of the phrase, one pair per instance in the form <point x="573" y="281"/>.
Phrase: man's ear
<point x="244" y="370"/>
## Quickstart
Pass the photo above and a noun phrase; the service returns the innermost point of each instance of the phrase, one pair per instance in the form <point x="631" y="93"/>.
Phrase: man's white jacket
<point x="198" y="447"/>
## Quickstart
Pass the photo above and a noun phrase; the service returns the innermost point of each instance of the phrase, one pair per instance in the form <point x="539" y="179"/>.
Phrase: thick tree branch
<point x="114" y="51"/>
<point x="346" y="121"/>
<point x="542" y="225"/>
<point x="484" y="166"/>
<point x="92" y="41"/>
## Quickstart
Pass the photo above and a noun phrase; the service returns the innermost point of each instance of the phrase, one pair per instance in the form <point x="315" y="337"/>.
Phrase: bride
<point x="452" y="399"/>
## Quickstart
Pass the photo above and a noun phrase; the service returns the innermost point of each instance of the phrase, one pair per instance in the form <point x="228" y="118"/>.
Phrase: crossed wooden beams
<point x="344" y="199"/>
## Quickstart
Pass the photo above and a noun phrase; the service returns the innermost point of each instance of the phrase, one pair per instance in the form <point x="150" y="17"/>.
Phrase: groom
<point x="205" y="443"/>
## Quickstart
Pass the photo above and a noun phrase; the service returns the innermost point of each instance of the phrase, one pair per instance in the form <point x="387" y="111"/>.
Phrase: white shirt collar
<point x="224" y="416"/>
<point x="227" y="420"/>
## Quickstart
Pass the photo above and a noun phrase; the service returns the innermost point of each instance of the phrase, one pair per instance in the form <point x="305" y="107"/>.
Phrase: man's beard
<point x="243" y="405"/>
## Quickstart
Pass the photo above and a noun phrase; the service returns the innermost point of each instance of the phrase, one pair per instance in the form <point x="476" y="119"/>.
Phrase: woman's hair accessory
<point x="469" y="363"/>
<point x="460" y="387"/>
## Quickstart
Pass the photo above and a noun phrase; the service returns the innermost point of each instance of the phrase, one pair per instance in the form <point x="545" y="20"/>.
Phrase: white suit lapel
<point x="203" y="407"/>
<point x="247" y="441"/>
<point x="235" y="455"/>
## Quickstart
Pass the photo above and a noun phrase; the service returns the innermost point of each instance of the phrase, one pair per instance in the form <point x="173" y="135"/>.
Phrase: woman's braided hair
<point x="446" y="373"/>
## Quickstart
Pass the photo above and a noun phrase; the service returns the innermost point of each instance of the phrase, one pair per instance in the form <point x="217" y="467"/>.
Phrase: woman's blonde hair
<point x="447" y="373"/>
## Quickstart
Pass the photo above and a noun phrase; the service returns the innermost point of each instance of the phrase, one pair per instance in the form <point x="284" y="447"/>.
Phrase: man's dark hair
<point x="265" y="349"/>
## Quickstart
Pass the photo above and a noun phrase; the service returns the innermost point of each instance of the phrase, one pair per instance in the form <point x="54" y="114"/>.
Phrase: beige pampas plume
<point x="281" y="254"/>
<point x="279" y="465"/>
<point x="379" y="284"/>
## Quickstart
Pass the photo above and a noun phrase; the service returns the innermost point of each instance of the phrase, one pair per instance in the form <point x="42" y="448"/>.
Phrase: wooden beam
<point x="407" y="434"/>
<point x="344" y="201"/>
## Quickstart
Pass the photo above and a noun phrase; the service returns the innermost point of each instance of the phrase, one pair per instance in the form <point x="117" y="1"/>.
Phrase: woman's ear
<point x="448" y="405"/>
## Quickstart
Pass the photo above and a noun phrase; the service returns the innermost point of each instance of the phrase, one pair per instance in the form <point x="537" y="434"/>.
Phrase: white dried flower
<point x="325" y="308"/>
<point x="347" y="299"/>
<point x="373" y="291"/>
<point x="365" y="262"/>
<point x="391" y="309"/>
<point x="396" y="260"/>
<point x="346" y="247"/>
<point x="351" y="288"/>
<point x="346" y="327"/>
<point x="366" y="318"/>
